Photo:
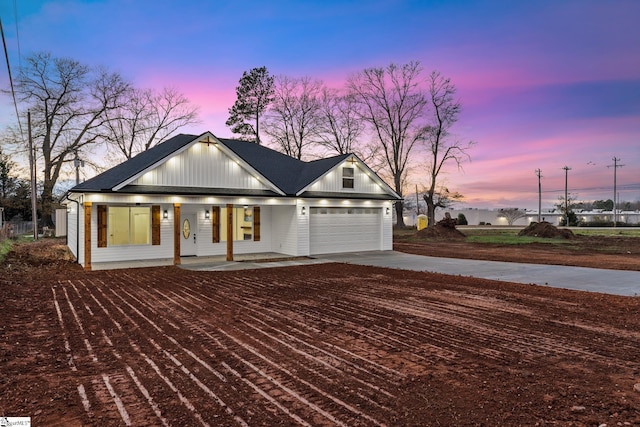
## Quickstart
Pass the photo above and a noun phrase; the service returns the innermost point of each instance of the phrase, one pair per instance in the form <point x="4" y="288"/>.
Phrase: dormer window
<point x="347" y="178"/>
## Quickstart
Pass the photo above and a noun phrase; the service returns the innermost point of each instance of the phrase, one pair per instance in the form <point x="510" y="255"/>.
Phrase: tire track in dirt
<point x="152" y="352"/>
<point x="146" y="318"/>
<point x="125" y="396"/>
<point x="493" y="339"/>
<point x="296" y="379"/>
<point x="259" y="313"/>
<point x="119" y="390"/>
<point x="179" y="364"/>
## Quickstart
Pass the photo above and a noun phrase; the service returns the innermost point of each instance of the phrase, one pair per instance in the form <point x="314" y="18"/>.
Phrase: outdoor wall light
<point x="303" y="211"/>
<point x="387" y="210"/>
<point x="165" y="214"/>
<point x="207" y="215"/>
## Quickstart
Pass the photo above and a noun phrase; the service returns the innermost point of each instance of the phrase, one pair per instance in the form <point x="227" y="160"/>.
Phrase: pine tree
<point x="254" y="93"/>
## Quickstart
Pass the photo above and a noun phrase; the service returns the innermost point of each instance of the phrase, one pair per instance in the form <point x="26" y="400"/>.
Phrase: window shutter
<point x="256" y="223"/>
<point x="155" y="225"/>
<point x="102" y="226"/>
<point x="215" y="221"/>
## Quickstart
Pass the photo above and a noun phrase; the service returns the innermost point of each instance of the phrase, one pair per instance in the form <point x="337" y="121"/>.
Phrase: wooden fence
<point x="11" y="230"/>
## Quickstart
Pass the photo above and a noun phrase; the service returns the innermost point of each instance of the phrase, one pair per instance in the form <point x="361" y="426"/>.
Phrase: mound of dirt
<point x="442" y="230"/>
<point x="547" y="230"/>
<point x="37" y="260"/>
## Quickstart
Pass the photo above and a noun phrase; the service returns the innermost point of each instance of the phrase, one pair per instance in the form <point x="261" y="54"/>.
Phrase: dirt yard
<point x="610" y="252"/>
<point x="316" y="345"/>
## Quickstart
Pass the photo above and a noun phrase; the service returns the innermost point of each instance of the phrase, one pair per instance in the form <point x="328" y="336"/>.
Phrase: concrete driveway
<point x="614" y="282"/>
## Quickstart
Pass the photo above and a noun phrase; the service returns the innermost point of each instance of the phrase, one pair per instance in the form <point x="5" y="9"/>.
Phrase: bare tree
<point x="341" y="128"/>
<point x="341" y="125"/>
<point x="293" y="121"/>
<point x="393" y="104"/>
<point x="146" y="119"/>
<point x="443" y="148"/>
<point x="443" y="198"/>
<point x="68" y="102"/>
<point x="511" y="214"/>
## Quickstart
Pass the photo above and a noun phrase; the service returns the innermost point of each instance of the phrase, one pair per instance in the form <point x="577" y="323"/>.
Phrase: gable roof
<point x="109" y="179"/>
<point x="280" y="168"/>
<point x="286" y="173"/>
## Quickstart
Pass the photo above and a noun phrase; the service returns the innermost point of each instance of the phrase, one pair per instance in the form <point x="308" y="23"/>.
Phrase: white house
<point x="203" y="196"/>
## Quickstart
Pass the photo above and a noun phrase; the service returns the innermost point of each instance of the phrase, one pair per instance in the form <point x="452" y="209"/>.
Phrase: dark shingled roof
<point x="287" y="173"/>
<point x="118" y="174"/>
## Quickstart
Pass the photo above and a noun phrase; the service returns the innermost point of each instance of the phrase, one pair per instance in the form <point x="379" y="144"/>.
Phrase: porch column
<point x="87" y="236"/>
<point x="176" y="234"/>
<point x="229" y="232"/>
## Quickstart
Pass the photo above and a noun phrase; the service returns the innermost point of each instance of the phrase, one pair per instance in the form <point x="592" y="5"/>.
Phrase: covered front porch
<point x="154" y="230"/>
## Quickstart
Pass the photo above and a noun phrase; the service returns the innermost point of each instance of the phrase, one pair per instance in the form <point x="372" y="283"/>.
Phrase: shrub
<point x="462" y="220"/>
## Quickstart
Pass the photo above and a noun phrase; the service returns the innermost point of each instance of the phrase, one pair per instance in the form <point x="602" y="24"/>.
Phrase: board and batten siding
<point x="284" y="230"/>
<point x="302" y="238"/>
<point x="72" y="230"/>
<point x="387" y="228"/>
<point x="201" y="166"/>
<point x="80" y="230"/>
<point x="332" y="182"/>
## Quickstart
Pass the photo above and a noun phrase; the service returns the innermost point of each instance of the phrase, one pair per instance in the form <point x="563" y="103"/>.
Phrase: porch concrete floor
<point x="216" y="263"/>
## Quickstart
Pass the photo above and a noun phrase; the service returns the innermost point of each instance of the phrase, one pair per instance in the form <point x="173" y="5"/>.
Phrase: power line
<point x="15" y="14"/>
<point x="13" y="92"/>
<point x="629" y="187"/>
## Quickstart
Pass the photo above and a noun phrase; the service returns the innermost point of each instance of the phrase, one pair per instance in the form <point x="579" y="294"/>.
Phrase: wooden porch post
<point x="176" y="234"/>
<point x="229" y="232"/>
<point x="87" y="236"/>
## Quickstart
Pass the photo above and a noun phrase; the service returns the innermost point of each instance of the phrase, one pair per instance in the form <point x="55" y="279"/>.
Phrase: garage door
<point x="333" y="230"/>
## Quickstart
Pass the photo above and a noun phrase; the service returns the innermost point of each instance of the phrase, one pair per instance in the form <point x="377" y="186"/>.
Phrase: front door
<point x="188" y="229"/>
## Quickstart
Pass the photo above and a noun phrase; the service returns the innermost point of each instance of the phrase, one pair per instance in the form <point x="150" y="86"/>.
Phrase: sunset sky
<point x="543" y="83"/>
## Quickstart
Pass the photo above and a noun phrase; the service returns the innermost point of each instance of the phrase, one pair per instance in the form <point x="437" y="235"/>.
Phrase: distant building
<point x="554" y="216"/>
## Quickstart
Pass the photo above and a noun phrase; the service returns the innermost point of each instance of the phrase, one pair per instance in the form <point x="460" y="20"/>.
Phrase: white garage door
<point x="333" y="230"/>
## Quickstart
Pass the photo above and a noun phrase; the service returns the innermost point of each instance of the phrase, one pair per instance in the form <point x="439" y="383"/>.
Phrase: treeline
<point x="396" y="118"/>
<point x="77" y="109"/>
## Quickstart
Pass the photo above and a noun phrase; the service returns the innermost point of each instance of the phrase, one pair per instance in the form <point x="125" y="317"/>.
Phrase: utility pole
<point x="566" y="196"/>
<point x="417" y="204"/>
<point x="539" y="174"/>
<point x="32" y="171"/>
<point x="77" y="163"/>
<point x="615" y="167"/>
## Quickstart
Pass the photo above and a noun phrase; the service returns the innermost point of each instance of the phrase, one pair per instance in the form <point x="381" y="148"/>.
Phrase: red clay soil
<point x="440" y="231"/>
<point x="316" y="345"/>
<point x="614" y="252"/>
<point x="546" y="230"/>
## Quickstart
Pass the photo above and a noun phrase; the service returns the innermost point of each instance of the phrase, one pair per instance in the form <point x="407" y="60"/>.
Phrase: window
<point x="246" y="223"/>
<point x="129" y="225"/>
<point x="347" y="178"/>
